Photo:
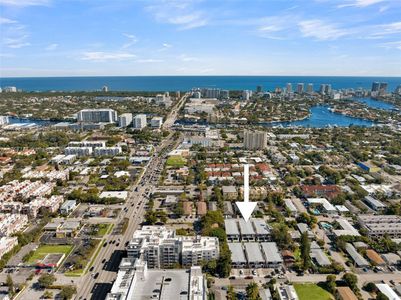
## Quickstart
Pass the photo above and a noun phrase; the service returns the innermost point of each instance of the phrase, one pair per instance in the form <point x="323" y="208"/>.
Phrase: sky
<point x="200" y="37"/>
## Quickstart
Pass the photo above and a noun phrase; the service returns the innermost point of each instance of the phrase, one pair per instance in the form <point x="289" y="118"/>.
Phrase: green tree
<point x="231" y="295"/>
<point x="305" y="251"/>
<point x="281" y="235"/>
<point x="252" y="291"/>
<point x="47" y="295"/>
<point x="352" y="281"/>
<point x="331" y="283"/>
<point x="381" y="296"/>
<point x="46" y="280"/>
<point x="67" y="292"/>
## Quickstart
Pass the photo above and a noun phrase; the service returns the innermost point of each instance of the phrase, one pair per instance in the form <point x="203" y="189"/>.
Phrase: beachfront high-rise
<point x="102" y="115"/>
<point x="288" y="88"/>
<point x="375" y="86"/>
<point x="300" y="88"/>
<point x="309" y="88"/>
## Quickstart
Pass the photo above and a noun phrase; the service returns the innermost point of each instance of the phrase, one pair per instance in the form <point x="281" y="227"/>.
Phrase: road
<point x="107" y="262"/>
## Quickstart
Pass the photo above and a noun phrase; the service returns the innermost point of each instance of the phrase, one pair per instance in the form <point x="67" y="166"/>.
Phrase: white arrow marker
<point x="246" y="208"/>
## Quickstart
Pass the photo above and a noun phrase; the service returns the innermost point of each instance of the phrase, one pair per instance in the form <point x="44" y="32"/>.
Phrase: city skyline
<point x="195" y="37"/>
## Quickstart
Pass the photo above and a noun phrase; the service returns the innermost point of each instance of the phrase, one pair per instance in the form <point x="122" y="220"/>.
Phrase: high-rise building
<point x="10" y="89"/>
<point x="4" y="120"/>
<point x="328" y="89"/>
<point x="246" y="95"/>
<point x="322" y="89"/>
<point x="383" y="88"/>
<point x="309" y="88"/>
<point x="300" y="88"/>
<point x="124" y="120"/>
<point x="211" y="93"/>
<point x="288" y="88"/>
<point x="259" y="89"/>
<point x="163" y="99"/>
<point x="97" y="115"/>
<point x="375" y="86"/>
<point x="255" y="140"/>
<point x="139" y="121"/>
<point x="225" y="94"/>
<point x="105" y="88"/>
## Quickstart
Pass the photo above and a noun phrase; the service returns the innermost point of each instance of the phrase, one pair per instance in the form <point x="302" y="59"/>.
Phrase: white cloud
<point x="166" y="45"/>
<point x="186" y="58"/>
<point x="107" y="56"/>
<point x="182" y="13"/>
<point x="149" y="60"/>
<point x="4" y="21"/>
<point x="23" y="3"/>
<point x="51" y="47"/>
<point x="360" y="3"/>
<point x="392" y="45"/>
<point x="17" y="42"/>
<point x="131" y="40"/>
<point x="321" y="30"/>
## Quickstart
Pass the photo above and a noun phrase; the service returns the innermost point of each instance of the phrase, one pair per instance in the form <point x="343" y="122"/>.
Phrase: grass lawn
<point x="309" y="291"/>
<point x="104" y="229"/>
<point x="176" y="161"/>
<point x="89" y="254"/>
<point x="43" y="250"/>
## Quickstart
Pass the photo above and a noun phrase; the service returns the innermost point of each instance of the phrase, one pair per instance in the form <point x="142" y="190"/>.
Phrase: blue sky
<point x="200" y="37"/>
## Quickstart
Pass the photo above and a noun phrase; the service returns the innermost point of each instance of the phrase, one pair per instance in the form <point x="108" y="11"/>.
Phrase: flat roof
<point x="245" y="227"/>
<point x="253" y="252"/>
<point x="161" y="284"/>
<point x="231" y="227"/>
<point x="237" y="253"/>
<point x="271" y="252"/>
<point x="260" y="226"/>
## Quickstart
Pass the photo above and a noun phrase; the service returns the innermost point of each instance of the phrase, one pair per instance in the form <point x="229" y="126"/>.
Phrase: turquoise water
<point x="373" y="103"/>
<point x="321" y="117"/>
<point x="184" y="83"/>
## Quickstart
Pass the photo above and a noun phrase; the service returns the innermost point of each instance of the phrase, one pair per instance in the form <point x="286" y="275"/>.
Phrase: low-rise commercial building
<point x="135" y="282"/>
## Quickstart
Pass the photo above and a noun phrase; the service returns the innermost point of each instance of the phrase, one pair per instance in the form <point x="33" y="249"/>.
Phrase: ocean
<point x="184" y="83"/>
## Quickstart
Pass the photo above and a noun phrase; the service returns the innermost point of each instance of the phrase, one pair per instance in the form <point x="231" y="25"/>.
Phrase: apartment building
<point x="107" y="151"/>
<point x="124" y="120"/>
<point x="7" y="244"/>
<point x="139" y="121"/>
<point x="78" y="151"/>
<point x="91" y="144"/>
<point x="255" y="140"/>
<point x="12" y="223"/>
<point x="379" y="225"/>
<point x="24" y="190"/>
<point x="253" y="230"/>
<point x="97" y="115"/>
<point x="156" y="122"/>
<point x="162" y="248"/>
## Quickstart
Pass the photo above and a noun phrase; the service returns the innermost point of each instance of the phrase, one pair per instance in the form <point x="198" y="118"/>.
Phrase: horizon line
<point x="201" y="75"/>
